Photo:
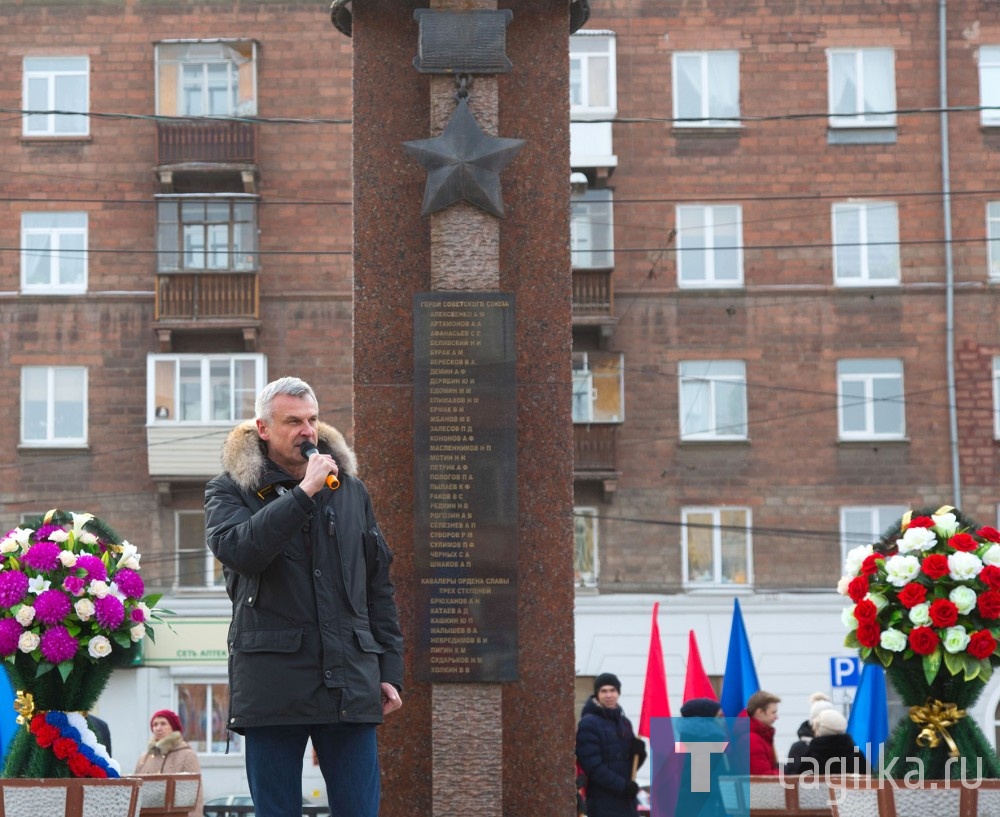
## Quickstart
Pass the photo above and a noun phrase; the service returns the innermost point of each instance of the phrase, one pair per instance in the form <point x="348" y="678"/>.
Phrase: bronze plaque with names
<point x="465" y="528"/>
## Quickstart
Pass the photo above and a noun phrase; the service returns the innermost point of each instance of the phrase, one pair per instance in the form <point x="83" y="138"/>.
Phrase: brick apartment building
<point x="780" y="268"/>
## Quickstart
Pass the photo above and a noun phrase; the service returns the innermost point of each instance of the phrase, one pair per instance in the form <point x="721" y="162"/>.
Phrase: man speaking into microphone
<point x="315" y="649"/>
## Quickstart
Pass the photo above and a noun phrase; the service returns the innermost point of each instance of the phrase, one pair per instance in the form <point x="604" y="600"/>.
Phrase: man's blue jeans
<point x="348" y="759"/>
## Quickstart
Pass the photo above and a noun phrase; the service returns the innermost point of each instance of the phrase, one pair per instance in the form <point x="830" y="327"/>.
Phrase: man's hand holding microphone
<point x="321" y="471"/>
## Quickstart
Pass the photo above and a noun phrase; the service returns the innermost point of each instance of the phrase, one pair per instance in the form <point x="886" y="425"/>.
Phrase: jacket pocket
<point x="285" y="640"/>
<point x="367" y="641"/>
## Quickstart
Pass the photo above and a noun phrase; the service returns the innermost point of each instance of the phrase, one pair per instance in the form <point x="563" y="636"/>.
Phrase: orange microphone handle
<point x="332" y="482"/>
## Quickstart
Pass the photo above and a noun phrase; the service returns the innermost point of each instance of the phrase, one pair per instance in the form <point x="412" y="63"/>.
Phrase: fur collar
<point x="164" y="747"/>
<point x="245" y="460"/>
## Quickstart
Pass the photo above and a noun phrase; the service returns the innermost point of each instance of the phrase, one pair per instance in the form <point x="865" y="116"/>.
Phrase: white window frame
<point x="155" y="405"/>
<point x="711" y="111"/>
<point x="184" y="550"/>
<point x="598" y="380"/>
<point x="717" y="580"/>
<point x="214" y="53"/>
<point x="872" y="375"/>
<point x="219" y="746"/>
<point x="584" y="64"/>
<point x="700" y="374"/>
<point x="34" y="70"/>
<point x="881" y="114"/>
<point x="585" y="524"/>
<point x="704" y="239"/>
<point x="879" y="517"/>
<point x="865" y="245"/>
<point x="592" y="230"/>
<point x="989" y="85"/>
<point x="55" y="235"/>
<point x="52" y="378"/>
<point x="238" y="247"/>
<point x="993" y="240"/>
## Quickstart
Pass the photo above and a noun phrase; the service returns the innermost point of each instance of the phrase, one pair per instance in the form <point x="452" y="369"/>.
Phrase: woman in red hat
<point x="169" y="753"/>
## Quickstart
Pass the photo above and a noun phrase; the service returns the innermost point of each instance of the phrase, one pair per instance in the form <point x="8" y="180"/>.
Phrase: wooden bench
<point x="168" y="795"/>
<point x="870" y="797"/>
<point x="775" y="796"/>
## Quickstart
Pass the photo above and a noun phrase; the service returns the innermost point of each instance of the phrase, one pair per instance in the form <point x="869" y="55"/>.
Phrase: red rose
<point x="912" y="594"/>
<point x="943" y="613"/>
<point x="865" y="610"/>
<point x="923" y="640"/>
<point x="79" y="765"/>
<point x="935" y="566"/>
<point x="63" y="748"/>
<point x="963" y="541"/>
<point x="990" y="576"/>
<point x="981" y="644"/>
<point x="989" y="534"/>
<point x="868" y="566"/>
<point x="921" y="522"/>
<point x="988" y="604"/>
<point x="868" y="633"/>
<point x="858" y="588"/>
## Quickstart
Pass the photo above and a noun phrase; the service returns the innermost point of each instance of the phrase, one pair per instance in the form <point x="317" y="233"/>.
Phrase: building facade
<point x="785" y="261"/>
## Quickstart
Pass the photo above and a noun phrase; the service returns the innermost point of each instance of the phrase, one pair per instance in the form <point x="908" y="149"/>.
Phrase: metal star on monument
<point x="463" y="163"/>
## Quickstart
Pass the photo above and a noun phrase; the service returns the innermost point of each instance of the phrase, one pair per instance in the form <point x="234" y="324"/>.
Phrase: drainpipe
<point x="956" y="478"/>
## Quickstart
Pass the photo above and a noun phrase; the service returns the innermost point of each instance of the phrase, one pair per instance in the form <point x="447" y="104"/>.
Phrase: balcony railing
<point x="593" y="293"/>
<point x="207" y="296"/>
<point x="206" y="140"/>
<point x="595" y="449"/>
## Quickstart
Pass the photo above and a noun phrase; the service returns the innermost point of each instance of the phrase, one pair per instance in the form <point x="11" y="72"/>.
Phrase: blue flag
<point x="869" y="721"/>
<point x="740" y="680"/>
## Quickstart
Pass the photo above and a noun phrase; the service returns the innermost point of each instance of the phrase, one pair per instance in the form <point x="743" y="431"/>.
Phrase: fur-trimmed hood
<point x="244" y="454"/>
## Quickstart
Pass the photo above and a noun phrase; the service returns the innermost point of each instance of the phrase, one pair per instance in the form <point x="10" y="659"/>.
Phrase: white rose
<point x="992" y="555"/>
<point x="138" y="632"/>
<point x="842" y="585"/>
<point x="918" y="539"/>
<point x="84" y="609"/>
<point x="855" y="557"/>
<point x="945" y="523"/>
<point x="9" y="545"/>
<point x="99" y="647"/>
<point x="900" y="570"/>
<point x="25" y="615"/>
<point x="920" y="614"/>
<point x="67" y="558"/>
<point x="964" y="598"/>
<point x="98" y="589"/>
<point x="847" y="617"/>
<point x="87" y="538"/>
<point x="955" y="639"/>
<point x="892" y="640"/>
<point x="963" y="566"/>
<point x="58" y="536"/>
<point x="28" y="642"/>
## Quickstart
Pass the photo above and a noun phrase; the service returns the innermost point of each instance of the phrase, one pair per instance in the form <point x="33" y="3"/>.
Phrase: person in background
<point x="833" y="750"/>
<point x="818" y="701"/>
<point x="608" y="752"/>
<point x="169" y="753"/>
<point x="701" y="722"/>
<point x="762" y="710"/>
<point x="101" y="730"/>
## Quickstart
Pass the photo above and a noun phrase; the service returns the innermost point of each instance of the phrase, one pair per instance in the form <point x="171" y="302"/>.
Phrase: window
<point x="592" y="83"/>
<point x="864" y="524"/>
<point x="54" y="252"/>
<point x="598" y="387"/>
<point x="218" y="234"/>
<point x="993" y="238"/>
<point x="585" y="550"/>
<point x="706" y="89"/>
<point x="713" y="400"/>
<point x="862" y="87"/>
<point x="203" y="389"/>
<point x="709" y="246"/>
<point x="591" y="230"/>
<point x="196" y="565"/>
<point x="870" y="403"/>
<point x="54" y="405"/>
<point x="989" y="84"/>
<point x="203" y="708"/>
<point x="57" y="93"/>
<point x="866" y="243"/>
<point x="206" y="78"/>
<point x="715" y="543"/>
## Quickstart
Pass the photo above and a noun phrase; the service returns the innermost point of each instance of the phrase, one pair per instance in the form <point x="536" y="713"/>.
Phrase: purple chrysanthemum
<point x="43" y="556"/>
<point x="110" y="612"/>
<point x="52" y="606"/>
<point x="137" y="615"/>
<point x="58" y="645"/>
<point x="130" y="583"/>
<point x="74" y="585"/>
<point x="10" y="632"/>
<point x="94" y="569"/>
<point x="13" y="586"/>
<point x="43" y="531"/>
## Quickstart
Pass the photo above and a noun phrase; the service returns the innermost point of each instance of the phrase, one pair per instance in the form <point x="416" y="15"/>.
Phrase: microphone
<point x="308" y="449"/>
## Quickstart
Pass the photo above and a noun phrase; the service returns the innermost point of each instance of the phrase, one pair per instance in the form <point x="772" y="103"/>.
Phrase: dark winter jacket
<point x="315" y="628"/>
<point x="832" y="754"/>
<point x="604" y="748"/>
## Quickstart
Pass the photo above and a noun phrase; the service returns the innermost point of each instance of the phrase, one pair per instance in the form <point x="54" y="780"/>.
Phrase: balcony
<point x="595" y="455"/>
<point x="206" y="146"/>
<point x="594" y="301"/>
<point x="207" y="301"/>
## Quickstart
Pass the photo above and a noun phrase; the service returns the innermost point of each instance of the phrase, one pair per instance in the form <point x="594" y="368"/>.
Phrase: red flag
<point x="696" y="683"/>
<point x="654" y="696"/>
